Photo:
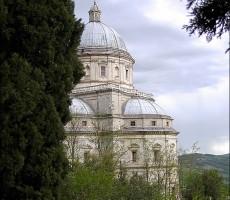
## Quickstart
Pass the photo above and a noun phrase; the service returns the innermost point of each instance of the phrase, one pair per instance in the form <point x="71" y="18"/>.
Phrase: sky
<point x="188" y="76"/>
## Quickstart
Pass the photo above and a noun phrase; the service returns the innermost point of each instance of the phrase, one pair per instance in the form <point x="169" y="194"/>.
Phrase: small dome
<point x="98" y="35"/>
<point x="138" y="106"/>
<point x="80" y="107"/>
<point x="94" y="7"/>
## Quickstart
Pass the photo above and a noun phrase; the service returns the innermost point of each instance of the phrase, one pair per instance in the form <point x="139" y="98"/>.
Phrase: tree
<point x="208" y="17"/>
<point x="96" y="179"/>
<point x="161" y="167"/>
<point x="38" y="67"/>
<point x="213" y="183"/>
<point x="186" y="166"/>
<point x="72" y="143"/>
<point x="92" y="179"/>
<point x="193" y="186"/>
<point x="207" y="184"/>
<point x="136" y="188"/>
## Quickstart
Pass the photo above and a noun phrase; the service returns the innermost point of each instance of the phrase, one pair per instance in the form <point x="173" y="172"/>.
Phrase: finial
<point x="94" y="13"/>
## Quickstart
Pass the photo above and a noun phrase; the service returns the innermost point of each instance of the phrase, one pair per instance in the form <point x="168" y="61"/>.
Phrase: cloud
<point x="188" y="76"/>
<point x="173" y="12"/>
<point x="219" y="146"/>
<point x="201" y="115"/>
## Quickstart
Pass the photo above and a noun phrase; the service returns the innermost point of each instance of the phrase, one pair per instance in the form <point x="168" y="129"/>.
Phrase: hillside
<point x="207" y="161"/>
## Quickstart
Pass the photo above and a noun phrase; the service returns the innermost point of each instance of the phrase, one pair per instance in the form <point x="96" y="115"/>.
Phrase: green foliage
<point x="213" y="183"/>
<point x="207" y="161"/>
<point x="31" y="135"/>
<point x="209" y="17"/>
<point x="203" y="185"/>
<point x="137" y="188"/>
<point x="38" y="66"/>
<point x="92" y="180"/>
<point x="90" y="184"/>
<point x="193" y="186"/>
<point x="46" y="34"/>
<point x="96" y="179"/>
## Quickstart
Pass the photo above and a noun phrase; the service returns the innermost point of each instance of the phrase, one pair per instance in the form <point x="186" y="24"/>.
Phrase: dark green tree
<point x="208" y="17"/>
<point x="193" y="187"/>
<point x="92" y="180"/>
<point x="38" y="67"/>
<point x="213" y="183"/>
<point x="96" y="179"/>
<point x="207" y="184"/>
<point x="137" y="188"/>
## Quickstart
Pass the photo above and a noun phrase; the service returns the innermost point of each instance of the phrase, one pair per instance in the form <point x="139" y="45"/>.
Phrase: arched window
<point x="167" y="124"/>
<point x="87" y="70"/>
<point x="117" y="74"/>
<point x="127" y="74"/>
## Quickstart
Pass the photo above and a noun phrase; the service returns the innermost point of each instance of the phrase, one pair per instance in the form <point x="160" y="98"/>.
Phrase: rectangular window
<point x="103" y="72"/>
<point x="156" y="155"/>
<point x="134" y="156"/>
<point x="84" y="123"/>
<point x="132" y="123"/>
<point x="86" y="156"/>
<point x="154" y="123"/>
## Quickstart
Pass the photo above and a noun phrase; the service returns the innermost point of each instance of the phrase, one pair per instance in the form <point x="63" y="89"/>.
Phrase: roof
<point x="138" y="106"/>
<point x="98" y="35"/>
<point x="80" y="107"/>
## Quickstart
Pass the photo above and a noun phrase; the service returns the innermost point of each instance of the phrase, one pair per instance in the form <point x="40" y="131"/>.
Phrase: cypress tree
<point x="38" y="68"/>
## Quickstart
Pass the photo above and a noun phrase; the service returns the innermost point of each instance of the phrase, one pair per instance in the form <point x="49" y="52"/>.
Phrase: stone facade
<point x="105" y="101"/>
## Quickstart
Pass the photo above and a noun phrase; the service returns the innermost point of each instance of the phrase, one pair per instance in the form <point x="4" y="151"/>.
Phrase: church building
<point x="106" y="101"/>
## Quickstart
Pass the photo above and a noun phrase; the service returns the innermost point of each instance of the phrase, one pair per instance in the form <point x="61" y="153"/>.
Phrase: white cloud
<point x="166" y="11"/>
<point x="220" y="146"/>
<point x="208" y="98"/>
<point x="201" y="115"/>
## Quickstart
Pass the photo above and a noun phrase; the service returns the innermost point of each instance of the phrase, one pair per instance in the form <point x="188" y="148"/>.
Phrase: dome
<point x="137" y="106"/>
<point x="80" y="107"/>
<point x="98" y="35"/>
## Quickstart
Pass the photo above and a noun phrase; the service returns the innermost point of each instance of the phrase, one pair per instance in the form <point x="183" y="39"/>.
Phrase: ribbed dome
<point x="137" y="106"/>
<point x="98" y="35"/>
<point x="80" y="107"/>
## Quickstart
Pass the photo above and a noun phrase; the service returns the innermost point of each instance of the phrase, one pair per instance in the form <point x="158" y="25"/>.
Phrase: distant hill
<point x="207" y="161"/>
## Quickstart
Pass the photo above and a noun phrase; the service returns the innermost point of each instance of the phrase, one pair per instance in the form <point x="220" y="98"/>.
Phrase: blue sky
<point x="188" y="76"/>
